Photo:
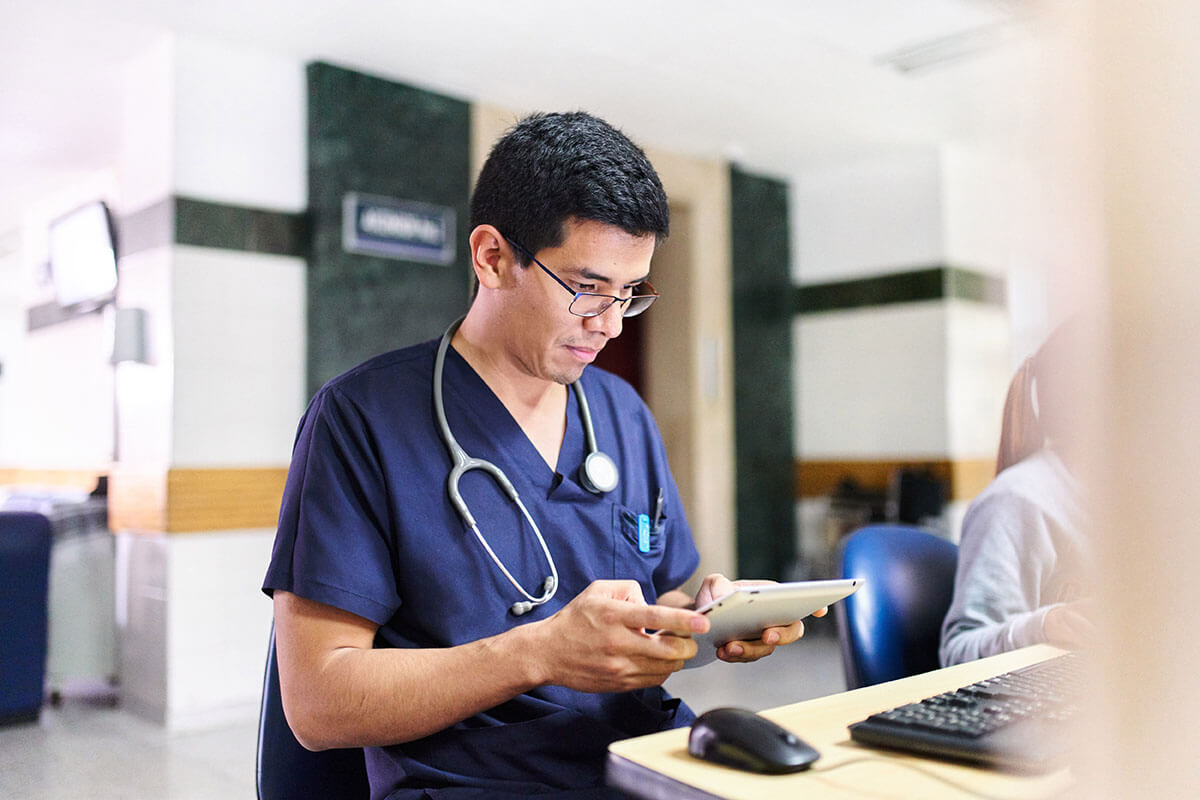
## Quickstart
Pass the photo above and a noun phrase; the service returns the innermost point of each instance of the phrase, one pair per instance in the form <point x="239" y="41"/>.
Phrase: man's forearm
<point x="398" y="695"/>
<point x="338" y="693"/>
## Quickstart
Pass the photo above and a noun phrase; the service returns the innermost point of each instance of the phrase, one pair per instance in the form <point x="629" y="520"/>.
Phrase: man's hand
<point x="599" y="642"/>
<point x="715" y="586"/>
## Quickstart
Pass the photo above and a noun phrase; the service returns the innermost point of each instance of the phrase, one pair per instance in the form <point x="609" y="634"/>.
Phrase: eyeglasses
<point x="591" y="304"/>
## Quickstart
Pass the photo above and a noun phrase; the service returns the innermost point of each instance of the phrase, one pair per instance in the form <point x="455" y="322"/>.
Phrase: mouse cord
<point x="916" y="768"/>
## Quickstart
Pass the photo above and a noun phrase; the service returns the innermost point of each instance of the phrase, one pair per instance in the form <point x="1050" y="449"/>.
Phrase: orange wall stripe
<point x="819" y="478"/>
<point x="195" y="500"/>
<point x="65" y="478"/>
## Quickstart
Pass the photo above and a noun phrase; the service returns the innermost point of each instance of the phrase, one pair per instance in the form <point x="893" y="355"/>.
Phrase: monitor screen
<point x="83" y="258"/>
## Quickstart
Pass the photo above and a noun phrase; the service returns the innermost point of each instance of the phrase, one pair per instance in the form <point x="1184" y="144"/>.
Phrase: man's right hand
<point x="599" y="641"/>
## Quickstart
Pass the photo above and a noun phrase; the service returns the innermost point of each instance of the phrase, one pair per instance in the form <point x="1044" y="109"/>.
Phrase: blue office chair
<point x="286" y="771"/>
<point x="890" y="628"/>
<point x="25" y="540"/>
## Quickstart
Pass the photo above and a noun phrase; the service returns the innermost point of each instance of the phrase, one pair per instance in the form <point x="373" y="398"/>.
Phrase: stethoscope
<point x="598" y="475"/>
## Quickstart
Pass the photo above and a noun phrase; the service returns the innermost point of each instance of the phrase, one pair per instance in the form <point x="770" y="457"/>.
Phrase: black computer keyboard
<point x="1018" y="720"/>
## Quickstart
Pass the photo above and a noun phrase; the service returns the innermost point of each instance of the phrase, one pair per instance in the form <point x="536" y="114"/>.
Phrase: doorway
<point x="625" y="356"/>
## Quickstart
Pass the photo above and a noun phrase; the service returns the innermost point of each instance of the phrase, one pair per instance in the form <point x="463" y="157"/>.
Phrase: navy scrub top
<point x="366" y="526"/>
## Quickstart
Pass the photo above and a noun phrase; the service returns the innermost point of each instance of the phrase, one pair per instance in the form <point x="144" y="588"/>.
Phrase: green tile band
<point x="932" y="283"/>
<point x="228" y="227"/>
<point x="203" y="223"/>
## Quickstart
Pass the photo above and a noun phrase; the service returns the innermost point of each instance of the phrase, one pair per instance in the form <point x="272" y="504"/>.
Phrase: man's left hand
<point x="717" y="585"/>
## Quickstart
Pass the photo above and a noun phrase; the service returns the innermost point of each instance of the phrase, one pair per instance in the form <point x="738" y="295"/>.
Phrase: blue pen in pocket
<point x="643" y="533"/>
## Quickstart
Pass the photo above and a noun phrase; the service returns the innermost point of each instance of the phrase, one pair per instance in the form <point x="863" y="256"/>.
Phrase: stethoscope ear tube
<point x="549" y="586"/>
<point x="463" y="467"/>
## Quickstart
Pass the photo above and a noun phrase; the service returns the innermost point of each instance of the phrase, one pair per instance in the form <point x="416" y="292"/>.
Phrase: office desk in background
<point x="658" y="765"/>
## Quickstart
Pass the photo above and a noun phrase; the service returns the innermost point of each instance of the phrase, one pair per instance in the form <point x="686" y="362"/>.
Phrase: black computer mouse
<point x="740" y="738"/>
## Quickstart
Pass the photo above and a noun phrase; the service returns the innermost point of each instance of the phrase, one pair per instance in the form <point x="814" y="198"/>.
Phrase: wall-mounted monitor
<point x="83" y="258"/>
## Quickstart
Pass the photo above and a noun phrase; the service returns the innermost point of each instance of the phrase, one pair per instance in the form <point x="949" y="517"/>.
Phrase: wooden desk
<point x="658" y="765"/>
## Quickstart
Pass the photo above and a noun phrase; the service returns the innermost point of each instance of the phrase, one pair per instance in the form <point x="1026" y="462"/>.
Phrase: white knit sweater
<point x="1024" y="550"/>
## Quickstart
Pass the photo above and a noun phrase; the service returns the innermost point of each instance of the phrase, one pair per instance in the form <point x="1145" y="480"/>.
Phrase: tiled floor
<point x="810" y="668"/>
<point x="90" y="750"/>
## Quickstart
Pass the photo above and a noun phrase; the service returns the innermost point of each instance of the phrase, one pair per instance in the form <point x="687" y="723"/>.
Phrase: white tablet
<point x="744" y="613"/>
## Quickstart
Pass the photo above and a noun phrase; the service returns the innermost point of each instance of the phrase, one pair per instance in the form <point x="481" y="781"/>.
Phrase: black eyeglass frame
<point x="628" y="310"/>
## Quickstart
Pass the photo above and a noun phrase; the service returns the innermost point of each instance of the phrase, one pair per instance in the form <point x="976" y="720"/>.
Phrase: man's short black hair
<point x="550" y="168"/>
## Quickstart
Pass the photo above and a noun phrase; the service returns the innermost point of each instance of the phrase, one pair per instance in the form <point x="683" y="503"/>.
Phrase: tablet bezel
<point x="743" y="613"/>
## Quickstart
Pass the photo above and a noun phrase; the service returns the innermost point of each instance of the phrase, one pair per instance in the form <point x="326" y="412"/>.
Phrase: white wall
<point x="873" y="214"/>
<point x="978" y="368"/>
<point x="902" y="381"/>
<point x="12" y="338"/>
<point x="56" y="388"/>
<point x="147" y="168"/>
<point x="217" y="626"/>
<point x="65" y="397"/>
<point x="145" y="391"/>
<point x="239" y="322"/>
<point x="240" y="126"/>
<point x="871" y="382"/>
<point x="1002" y="216"/>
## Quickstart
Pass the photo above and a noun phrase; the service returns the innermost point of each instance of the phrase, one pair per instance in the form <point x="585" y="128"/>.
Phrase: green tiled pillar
<point x="377" y="137"/>
<point x="762" y="344"/>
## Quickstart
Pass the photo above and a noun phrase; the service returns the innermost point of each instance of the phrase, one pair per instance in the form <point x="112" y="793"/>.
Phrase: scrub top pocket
<point x="639" y="548"/>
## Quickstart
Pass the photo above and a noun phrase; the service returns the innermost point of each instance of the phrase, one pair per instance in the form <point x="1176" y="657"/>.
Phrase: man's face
<point x="546" y="339"/>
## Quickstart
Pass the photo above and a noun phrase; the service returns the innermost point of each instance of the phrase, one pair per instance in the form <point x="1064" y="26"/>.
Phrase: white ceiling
<point x="772" y="84"/>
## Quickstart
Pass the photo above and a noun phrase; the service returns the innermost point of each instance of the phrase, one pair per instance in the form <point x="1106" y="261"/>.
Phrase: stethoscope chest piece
<point x="598" y="473"/>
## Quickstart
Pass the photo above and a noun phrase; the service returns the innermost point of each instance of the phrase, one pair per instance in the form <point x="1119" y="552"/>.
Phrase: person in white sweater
<point x="1024" y="557"/>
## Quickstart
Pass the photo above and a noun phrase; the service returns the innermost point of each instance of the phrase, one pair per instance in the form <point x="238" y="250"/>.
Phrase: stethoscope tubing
<point x="463" y="464"/>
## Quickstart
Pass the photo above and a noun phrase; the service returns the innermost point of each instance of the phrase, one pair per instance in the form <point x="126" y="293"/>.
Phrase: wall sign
<point x="403" y="229"/>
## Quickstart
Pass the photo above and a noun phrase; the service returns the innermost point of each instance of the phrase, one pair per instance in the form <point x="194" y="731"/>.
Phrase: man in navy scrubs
<point x="397" y="629"/>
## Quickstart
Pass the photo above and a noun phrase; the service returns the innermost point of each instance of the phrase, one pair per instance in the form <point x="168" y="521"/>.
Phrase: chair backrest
<point x="286" y="771"/>
<point x="25" y="540"/>
<point x="890" y="628"/>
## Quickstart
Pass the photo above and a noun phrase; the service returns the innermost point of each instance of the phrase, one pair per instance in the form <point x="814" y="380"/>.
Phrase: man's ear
<point x="491" y="257"/>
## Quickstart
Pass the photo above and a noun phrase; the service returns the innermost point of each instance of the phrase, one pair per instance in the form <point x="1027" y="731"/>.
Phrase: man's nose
<point x="610" y="320"/>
